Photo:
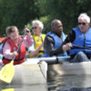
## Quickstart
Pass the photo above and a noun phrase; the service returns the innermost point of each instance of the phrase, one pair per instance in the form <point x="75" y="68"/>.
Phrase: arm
<point x="7" y="52"/>
<point x="34" y="52"/>
<point x="66" y="44"/>
<point x="70" y="37"/>
<point x="48" y="44"/>
<point x="28" y="40"/>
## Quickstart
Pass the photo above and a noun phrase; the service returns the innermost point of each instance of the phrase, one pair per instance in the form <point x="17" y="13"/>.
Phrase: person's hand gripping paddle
<point x="7" y="72"/>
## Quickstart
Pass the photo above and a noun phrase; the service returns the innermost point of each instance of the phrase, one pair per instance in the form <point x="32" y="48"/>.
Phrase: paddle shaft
<point x="80" y="47"/>
<point x="55" y="60"/>
<point x="49" y="60"/>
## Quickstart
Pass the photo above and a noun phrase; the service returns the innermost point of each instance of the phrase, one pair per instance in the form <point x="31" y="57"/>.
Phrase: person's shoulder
<point x="51" y="33"/>
<point x="2" y="39"/>
<point x="89" y="28"/>
<point x="49" y="36"/>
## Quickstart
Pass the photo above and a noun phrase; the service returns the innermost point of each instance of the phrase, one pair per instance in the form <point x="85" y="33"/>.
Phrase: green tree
<point x="66" y="10"/>
<point x="17" y="12"/>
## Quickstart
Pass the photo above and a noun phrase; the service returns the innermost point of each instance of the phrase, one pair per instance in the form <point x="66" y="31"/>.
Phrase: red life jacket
<point x="20" y="58"/>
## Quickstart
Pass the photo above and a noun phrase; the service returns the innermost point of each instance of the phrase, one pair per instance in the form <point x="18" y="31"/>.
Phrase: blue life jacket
<point x="81" y="39"/>
<point x="57" y="42"/>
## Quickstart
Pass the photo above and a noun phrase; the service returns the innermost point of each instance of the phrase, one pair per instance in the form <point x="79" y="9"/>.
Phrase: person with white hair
<point x="38" y="37"/>
<point x="78" y="41"/>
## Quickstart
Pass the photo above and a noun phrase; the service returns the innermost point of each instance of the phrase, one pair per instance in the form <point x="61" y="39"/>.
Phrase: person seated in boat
<point x="38" y="37"/>
<point x="78" y="41"/>
<point x="29" y="37"/>
<point x="54" y="38"/>
<point x="15" y="46"/>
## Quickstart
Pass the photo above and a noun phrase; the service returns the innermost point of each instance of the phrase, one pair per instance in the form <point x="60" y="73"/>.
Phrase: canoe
<point x="63" y="66"/>
<point x="65" y="74"/>
<point x="66" y="68"/>
<point x="32" y="74"/>
<point x="28" y="76"/>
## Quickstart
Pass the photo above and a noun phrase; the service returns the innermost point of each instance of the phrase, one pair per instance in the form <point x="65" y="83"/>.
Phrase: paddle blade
<point x="7" y="72"/>
<point x="8" y="89"/>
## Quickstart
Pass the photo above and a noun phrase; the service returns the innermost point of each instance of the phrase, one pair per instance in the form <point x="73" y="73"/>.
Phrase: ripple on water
<point x="70" y="83"/>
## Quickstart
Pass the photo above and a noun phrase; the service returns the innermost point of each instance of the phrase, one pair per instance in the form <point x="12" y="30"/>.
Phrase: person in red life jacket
<point x="15" y="46"/>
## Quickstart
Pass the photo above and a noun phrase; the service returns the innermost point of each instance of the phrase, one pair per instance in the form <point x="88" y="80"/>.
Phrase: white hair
<point x="37" y="22"/>
<point x="85" y="17"/>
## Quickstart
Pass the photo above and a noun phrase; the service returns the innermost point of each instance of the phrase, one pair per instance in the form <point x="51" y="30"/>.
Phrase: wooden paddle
<point x="7" y="72"/>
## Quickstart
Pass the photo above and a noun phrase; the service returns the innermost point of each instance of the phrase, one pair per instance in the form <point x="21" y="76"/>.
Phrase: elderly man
<point x="54" y="38"/>
<point x="78" y="41"/>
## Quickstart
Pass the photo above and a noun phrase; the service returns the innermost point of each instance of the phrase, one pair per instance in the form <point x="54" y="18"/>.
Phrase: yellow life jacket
<point x="38" y="40"/>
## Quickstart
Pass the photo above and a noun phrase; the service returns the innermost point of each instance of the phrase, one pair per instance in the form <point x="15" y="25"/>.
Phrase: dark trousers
<point x="80" y="57"/>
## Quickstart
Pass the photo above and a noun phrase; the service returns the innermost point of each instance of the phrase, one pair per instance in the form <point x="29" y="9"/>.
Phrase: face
<point x="36" y="30"/>
<point x="14" y="35"/>
<point x="58" y="27"/>
<point x="83" y="25"/>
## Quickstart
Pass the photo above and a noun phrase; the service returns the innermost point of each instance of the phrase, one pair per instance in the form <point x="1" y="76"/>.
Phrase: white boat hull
<point x="83" y="68"/>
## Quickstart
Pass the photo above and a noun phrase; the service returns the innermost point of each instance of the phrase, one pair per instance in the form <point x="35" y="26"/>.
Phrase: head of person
<point x="12" y="32"/>
<point x="37" y="27"/>
<point x="83" y="22"/>
<point x="57" y="26"/>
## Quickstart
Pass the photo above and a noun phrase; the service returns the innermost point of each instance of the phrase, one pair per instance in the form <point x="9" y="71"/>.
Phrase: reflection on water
<point x="70" y="82"/>
<point x="24" y="88"/>
<point x="67" y="83"/>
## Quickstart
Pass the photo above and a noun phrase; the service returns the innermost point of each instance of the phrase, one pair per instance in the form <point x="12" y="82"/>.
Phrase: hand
<point x="67" y="46"/>
<point x="15" y="53"/>
<point x="27" y="31"/>
<point x="52" y="53"/>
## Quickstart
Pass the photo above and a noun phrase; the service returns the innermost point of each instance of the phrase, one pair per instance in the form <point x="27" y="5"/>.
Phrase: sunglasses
<point x="34" y="27"/>
<point x="82" y="23"/>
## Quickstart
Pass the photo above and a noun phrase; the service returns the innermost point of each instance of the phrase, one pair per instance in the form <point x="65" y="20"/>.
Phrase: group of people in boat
<point x="76" y="44"/>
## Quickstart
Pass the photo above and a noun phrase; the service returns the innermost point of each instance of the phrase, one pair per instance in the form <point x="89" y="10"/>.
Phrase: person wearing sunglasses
<point x="78" y="41"/>
<point x="38" y="37"/>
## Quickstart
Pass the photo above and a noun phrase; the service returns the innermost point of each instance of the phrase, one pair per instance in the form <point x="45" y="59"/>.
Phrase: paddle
<point x="7" y="72"/>
<point x="80" y="47"/>
<point x="8" y="89"/>
<point x="49" y="60"/>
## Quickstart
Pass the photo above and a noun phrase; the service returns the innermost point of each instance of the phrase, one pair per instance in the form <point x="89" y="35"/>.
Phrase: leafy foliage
<point x="66" y="10"/>
<point x="17" y="12"/>
<point x="22" y="12"/>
